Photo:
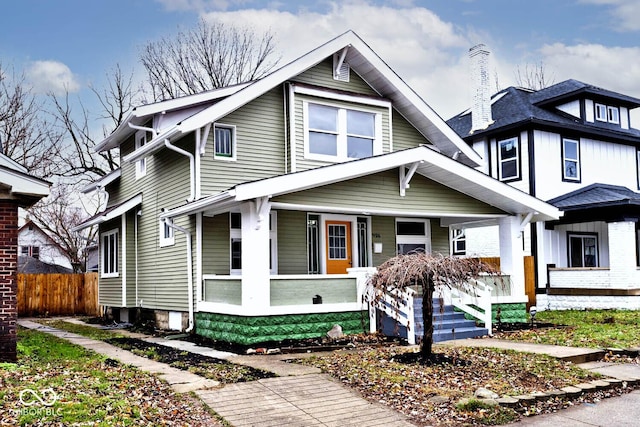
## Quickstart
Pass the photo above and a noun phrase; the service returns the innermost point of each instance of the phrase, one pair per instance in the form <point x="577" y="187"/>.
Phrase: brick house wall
<point x="8" y="285"/>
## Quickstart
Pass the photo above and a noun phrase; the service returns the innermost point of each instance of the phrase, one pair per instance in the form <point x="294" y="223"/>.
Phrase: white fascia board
<point x="185" y="101"/>
<point x="473" y="182"/>
<point x="22" y="183"/>
<point x="116" y="136"/>
<point x="200" y="205"/>
<point x="114" y="213"/>
<point x="312" y="178"/>
<point x="151" y="147"/>
<point x="103" y="181"/>
<point x="12" y="164"/>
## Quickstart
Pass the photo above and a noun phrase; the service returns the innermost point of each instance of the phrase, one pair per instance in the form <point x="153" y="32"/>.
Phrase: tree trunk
<point x="427" y="318"/>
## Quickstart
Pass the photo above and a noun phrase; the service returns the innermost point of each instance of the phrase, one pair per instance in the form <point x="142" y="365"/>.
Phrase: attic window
<point x="341" y="70"/>
<point x="607" y="113"/>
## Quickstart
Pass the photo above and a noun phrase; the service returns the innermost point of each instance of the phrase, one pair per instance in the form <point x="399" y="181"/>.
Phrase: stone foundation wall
<point x="246" y="330"/>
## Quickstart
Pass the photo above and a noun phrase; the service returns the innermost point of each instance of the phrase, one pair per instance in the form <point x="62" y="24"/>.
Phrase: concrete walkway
<point x="301" y="396"/>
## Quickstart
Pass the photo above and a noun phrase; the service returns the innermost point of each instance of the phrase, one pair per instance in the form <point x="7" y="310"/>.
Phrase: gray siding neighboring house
<point x="572" y="145"/>
<point x="257" y="198"/>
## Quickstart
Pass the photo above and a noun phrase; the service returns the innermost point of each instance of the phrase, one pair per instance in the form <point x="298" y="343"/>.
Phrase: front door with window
<point x="338" y="246"/>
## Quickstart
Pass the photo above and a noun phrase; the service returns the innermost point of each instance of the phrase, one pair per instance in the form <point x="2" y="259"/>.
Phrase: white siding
<point x="560" y="242"/>
<point x="588" y="111"/>
<point x="572" y="108"/>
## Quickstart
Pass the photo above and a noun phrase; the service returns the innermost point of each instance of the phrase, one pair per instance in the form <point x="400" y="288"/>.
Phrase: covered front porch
<point x="288" y="257"/>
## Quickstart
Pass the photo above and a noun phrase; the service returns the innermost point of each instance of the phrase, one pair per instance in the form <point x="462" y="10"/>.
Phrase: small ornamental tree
<point x="426" y="273"/>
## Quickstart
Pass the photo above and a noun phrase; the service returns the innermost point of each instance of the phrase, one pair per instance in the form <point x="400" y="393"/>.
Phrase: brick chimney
<point x="480" y="91"/>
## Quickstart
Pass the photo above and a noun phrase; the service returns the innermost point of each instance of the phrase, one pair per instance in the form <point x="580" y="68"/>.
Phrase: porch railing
<point x="475" y="301"/>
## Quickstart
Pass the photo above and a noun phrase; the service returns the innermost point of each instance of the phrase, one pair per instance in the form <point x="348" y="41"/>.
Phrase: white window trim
<point x="236" y="233"/>
<point x="165" y="241"/>
<point x="458" y="235"/>
<point x="582" y="237"/>
<point x="603" y="111"/>
<point x="565" y="158"/>
<point x="141" y="165"/>
<point x="413" y="239"/>
<point x="342" y="131"/>
<point x="501" y="160"/>
<point x="115" y="273"/>
<point x="234" y="143"/>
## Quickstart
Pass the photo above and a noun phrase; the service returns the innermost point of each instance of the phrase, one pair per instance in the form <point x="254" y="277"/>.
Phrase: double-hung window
<point x="224" y="142"/>
<point x="338" y="133"/>
<point x="141" y="165"/>
<point x="583" y="250"/>
<point x="508" y="159"/>
<point x="458" y="242"/>
<point x="570" y="159"/>
<point x="413" y="235"/>
<point x="109" y="252"/>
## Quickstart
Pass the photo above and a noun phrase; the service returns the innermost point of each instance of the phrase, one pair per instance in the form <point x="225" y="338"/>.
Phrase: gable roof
<point x="17" y="184"/>
<point x="429" y="163"/>
<point x="595" y="196"/>
<point x="364" y="61"/>
<point x="515" y="107"/>
<point x="39" y="230"/>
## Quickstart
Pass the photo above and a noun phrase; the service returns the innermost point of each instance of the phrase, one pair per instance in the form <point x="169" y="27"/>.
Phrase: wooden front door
<point x="338" y="246"/>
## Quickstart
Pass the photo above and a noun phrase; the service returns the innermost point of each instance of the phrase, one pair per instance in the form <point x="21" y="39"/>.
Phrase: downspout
<point x="192" y="167"/>
<point x="187" y="233"/>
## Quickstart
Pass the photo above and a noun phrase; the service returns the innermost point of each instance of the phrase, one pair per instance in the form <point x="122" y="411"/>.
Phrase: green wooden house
<point x="254" y="212"/>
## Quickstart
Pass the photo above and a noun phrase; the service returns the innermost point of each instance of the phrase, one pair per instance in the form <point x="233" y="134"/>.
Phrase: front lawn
<point x="584" y="328"/>
<point x="58" y="383"/>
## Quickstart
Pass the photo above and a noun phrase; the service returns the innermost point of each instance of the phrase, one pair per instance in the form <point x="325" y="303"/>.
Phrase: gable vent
<point x="342" y="70"/>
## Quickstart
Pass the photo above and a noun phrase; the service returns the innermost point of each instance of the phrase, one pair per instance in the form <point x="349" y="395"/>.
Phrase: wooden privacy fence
<point x="58" y="294"/>
<point x="529" y="276"/>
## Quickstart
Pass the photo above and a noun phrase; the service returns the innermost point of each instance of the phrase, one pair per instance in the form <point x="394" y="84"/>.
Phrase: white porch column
<point x="622" y="254"/>
<point x="255" y="257"/>
<point x="512" y="254"/>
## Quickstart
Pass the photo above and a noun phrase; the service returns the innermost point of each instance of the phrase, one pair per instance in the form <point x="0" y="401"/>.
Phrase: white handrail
<point x="481" y="298"/>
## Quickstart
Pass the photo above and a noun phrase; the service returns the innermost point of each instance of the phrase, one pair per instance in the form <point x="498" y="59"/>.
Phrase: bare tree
<point x="25" y="134"/>
<point x="209" y="56"/>
<point x="57" y="215"/>
<point x="427" y="273"/>
<point x="534" y="76"/>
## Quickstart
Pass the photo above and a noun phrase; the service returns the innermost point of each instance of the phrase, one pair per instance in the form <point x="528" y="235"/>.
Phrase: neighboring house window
<point x="508" y="159"/>
<point x="32" y="251"/>
<point x="235" y="236"/>
<point x="224" y="142"/>
<point x="458" y="242"/>
<point x="141" y="165"/>
<point x="109" y="250"/>
<point x="166" y="234"/>
<point x="570" y="159"/>
<point x="607" y="113"/>
<point x="583" y="250"/>
<point x="340" y="133"/>
<point x="413" y="235"/>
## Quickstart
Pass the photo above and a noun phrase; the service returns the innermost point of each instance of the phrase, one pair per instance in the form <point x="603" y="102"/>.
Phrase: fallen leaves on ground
<point x="428" y="393"/>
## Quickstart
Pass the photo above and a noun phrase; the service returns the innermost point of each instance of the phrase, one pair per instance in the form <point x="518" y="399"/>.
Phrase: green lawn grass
<point x="586" y="328"/>
<point x="79" y="387"/>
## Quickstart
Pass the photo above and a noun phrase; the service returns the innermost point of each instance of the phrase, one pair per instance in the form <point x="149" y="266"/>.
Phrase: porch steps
<point x="448" y="324"/>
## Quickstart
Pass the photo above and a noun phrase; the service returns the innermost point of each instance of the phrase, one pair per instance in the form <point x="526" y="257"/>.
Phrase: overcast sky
<point x="73" y="43"/>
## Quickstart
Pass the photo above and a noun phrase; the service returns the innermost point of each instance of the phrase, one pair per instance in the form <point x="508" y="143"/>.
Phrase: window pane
<point x="360" y="123"/>
<point x="323" y="143"/>
<point x="236" y="220"/>
<point x="322" y="117"/>
<point x="358" y="148"/>
<point x="570" y="169"/>
<point x="363" y="244"/>
<point x="224" y="143"/>
<point x="337" y="241"/>
<point x="508" y="149"/>
<point x="575" y="252"/>
<point x="236" y="254"/>
<point x="509" y="169"/>
<point x="405" y="248"/>
<point x="313" y="243"/>
<point x="590" y="252"/>
<point x="570" y="149"/>
<point x="407" y="228"/>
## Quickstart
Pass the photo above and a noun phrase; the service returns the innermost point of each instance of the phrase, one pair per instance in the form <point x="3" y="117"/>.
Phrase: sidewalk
<point x="302" y="396"/>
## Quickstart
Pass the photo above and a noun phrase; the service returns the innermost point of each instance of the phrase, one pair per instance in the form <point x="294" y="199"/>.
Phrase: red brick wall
<point x="8" y="285"/>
